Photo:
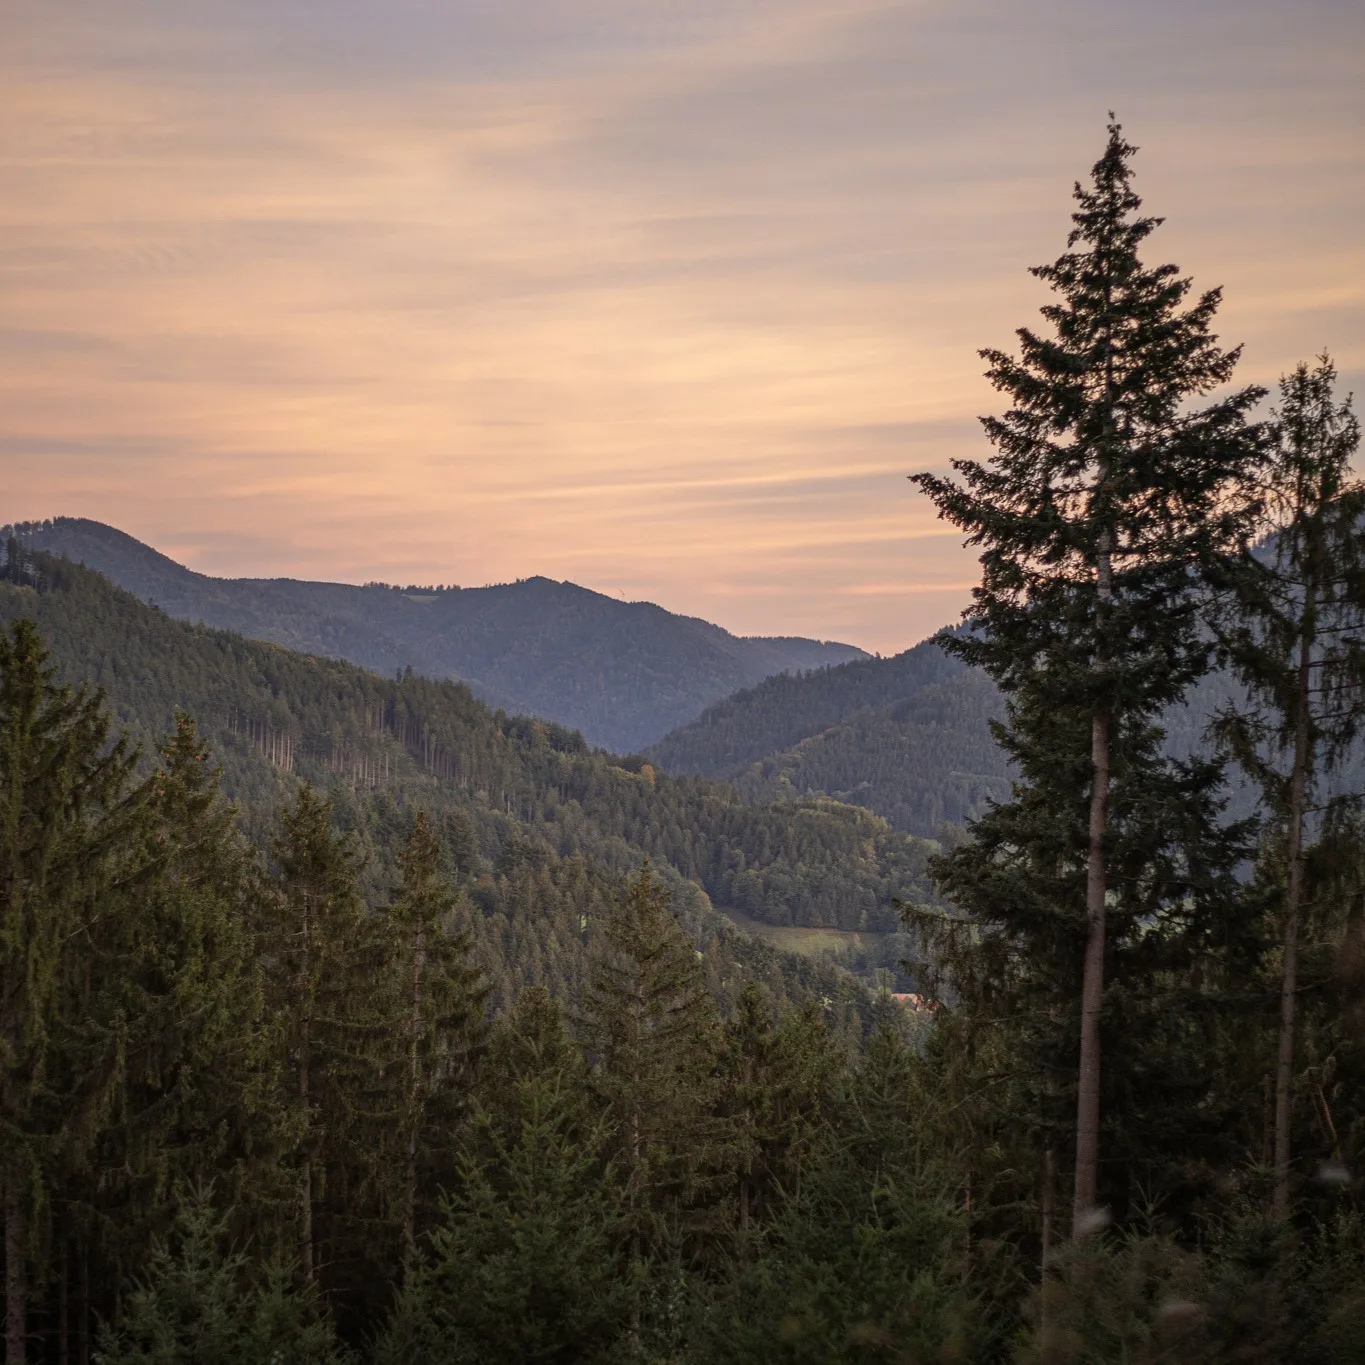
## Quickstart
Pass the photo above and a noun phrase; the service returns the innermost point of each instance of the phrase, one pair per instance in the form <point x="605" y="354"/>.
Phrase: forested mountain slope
<point x="624" y="673"/>
<point x="540" y="827"/>
<point x="908" y="737"/>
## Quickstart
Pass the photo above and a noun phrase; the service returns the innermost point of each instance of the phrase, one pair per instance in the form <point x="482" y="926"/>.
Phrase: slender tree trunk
<point x="419" y="960"/>
<point x="1293" y="914"/>
<point x="16" y="1279"/>
<point x="1049" y="1210"/>
<point x="83" y="1298"/>
<point x="64" y="1303"/>
<point x="306" y="1257"/>
<point x="1086" y="1184"/>
<point x="1048" y="1205"/>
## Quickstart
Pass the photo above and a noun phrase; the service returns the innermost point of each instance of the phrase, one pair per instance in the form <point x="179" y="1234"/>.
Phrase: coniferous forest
<point x="343" y="1018"/>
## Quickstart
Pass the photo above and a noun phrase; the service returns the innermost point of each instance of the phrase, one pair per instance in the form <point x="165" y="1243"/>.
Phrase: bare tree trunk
<point x="1086" y="1184"/>
<point x="83" y="1298"/>
<point x="64" y="1303"/>
<point x="419" y="961"/>
<point x="16" y="1279"/>
<point x="306" y="1256"/>
<point x="1049" y="1207"/>
<point x="1092" y="990"/>
<point x="1293" y="914"/>
<point x="1049" y="1210"/>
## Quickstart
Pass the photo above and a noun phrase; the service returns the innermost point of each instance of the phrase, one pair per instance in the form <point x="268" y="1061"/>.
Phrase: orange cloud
<point x="666" y="299"/>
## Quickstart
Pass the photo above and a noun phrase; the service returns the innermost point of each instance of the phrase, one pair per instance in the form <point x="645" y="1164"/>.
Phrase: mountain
<point x="542" y="827"/>
<point x="908" y="737"/>
<point x="624" y="673"/>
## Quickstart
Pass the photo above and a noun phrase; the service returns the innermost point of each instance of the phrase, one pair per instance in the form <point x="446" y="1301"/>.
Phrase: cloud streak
<point x="665" y="298"/>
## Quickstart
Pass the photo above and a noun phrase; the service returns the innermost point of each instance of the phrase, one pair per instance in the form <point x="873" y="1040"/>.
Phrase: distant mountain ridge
<point x="908" y="737"/>
<point x="624" y="673"/>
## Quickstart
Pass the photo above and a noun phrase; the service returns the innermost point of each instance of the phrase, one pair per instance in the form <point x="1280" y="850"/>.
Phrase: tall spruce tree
<point x="654" y="1037"/>
<point x="204" y="1302"/>
<point x="176" y="978"/>
<point x="440" y="999"/>
<point x="529" y="1259"/>
<point x="1296" y="638"/>
<point x="71" y="821"/>
<point x="314" y="933"/>
<point x="1107" y="492"/>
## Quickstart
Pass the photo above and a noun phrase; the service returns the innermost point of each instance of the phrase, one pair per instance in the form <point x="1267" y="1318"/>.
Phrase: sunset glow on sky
<point x="663" y="298"/>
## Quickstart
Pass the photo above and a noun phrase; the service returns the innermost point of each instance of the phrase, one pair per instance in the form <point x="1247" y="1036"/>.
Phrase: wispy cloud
<point x="664" y="297"/>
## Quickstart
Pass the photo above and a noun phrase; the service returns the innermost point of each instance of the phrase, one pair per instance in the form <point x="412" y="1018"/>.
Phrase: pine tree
<point x="653" y="1037"/>
<point x="528" y="1259"/>
<point x="441" y="998"/>
<point x="1106" y="493"/>
<point x="776" y="1076"/>
<point x="314" y="935"/>
<point x="176" y="976"/>
<point x="1295" y="636"/>
<point x="867" y="1258"/>
<point x="204" y="1302"/>
<point x="71" y="817"/>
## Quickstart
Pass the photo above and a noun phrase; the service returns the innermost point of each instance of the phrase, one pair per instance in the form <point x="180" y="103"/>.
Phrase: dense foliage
<point x="907" y="737"/>
<point x="521" y="802"/>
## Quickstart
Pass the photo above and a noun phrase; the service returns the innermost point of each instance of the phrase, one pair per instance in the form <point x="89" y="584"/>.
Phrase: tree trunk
<point x="1086" y="1182"/>
<point x="1048" y="1205"/>
<point x="64" y="1303"/>
<point x="1293" y="913"/>
<point x="1092" y="988"/>
<point x="16" y="1265"/>
<point x="306" y="1256"/>
<point x="419" y="961"/>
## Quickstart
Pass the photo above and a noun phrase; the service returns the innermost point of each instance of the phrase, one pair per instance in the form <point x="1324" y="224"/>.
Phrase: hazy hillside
<point x="908" y="737"/>
<point x="534" y="792"/>
<point x="624" y="673"/>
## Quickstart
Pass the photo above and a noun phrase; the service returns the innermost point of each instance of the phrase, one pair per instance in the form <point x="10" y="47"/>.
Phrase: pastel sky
<point x="664" y="298"/>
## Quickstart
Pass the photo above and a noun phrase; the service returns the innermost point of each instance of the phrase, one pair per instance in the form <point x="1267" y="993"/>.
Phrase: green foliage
<point x="438" y="1015"/>
<point x="72" y="846"/>
<point x="867" y="1259"/>
<point x="506" y="795"/>
<point x="202" y="1302"/>
<point x="653" y="1035"/>
<point x="907" y="737"/>
<point x="528" y="1260"/>
<point x="1254" y="1296"/>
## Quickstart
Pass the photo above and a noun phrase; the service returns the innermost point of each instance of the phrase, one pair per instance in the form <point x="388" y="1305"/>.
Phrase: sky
<point x="663" y="298"/>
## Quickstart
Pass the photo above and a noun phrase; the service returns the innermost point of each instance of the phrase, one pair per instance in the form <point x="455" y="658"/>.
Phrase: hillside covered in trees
<point x="623" y="673"/>
<point x="523" y="791"/>
<point x="908" y="737"/>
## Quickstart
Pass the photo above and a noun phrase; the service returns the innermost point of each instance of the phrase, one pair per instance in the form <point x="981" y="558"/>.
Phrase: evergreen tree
<point x="528" y="1261"/>
<point x="71" y="823"/>
<point x="315" y="937"/>
<point x="868" y="1259"/>
<point x="205" y="1303"/>
<point x="1296" y="638"/>
<point x="441" y="998"/>
<point x="1106" y="493"/>
<point x="776" y="1077"/>
<point x="177" y="977"/>
<point x="653" y="1038"/>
